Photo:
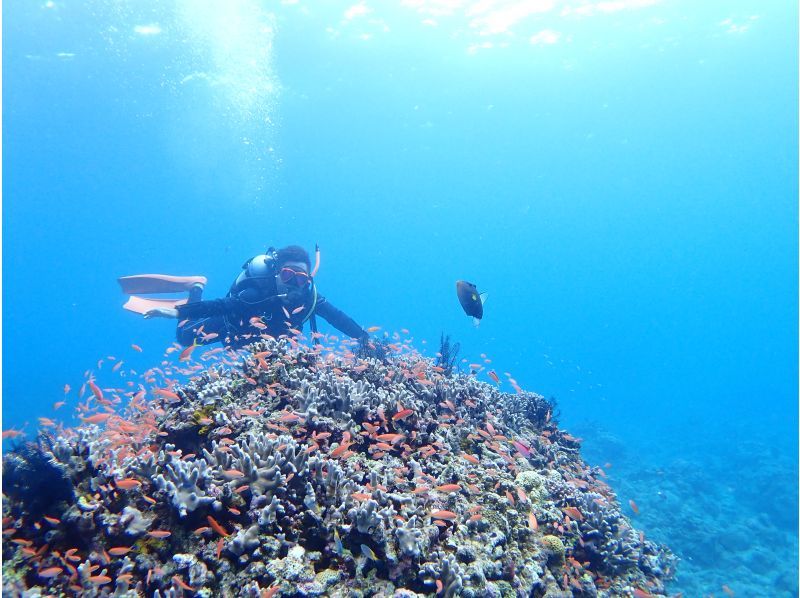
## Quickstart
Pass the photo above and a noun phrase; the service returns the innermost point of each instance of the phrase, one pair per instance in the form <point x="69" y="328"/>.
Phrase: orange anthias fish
<point x="217" y="527"/>
<point x="532" y="523"/>
<point x="634" y="506"/>
<point x="127" y="483"/>
<point x="51" y="572"/>
<point x="186" y="354"/>
<point x="446" y="515"/>
<point x="98" y="394"/>
<point x="402" y="414"/>
<point x="573" y="512"/>
<point x="96" y="418"/>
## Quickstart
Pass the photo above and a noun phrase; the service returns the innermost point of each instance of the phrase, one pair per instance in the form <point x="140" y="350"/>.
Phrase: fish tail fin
<point x="476" y="322"/>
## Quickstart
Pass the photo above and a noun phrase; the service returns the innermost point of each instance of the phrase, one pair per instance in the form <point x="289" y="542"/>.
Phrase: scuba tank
<point x="257" y="278"/>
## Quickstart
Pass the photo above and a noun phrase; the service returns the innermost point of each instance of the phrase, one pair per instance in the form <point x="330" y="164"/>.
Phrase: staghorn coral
<point x="184" y="483"/>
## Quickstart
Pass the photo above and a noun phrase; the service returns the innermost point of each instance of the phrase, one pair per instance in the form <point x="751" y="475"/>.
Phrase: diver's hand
<point x="161" y="312"/>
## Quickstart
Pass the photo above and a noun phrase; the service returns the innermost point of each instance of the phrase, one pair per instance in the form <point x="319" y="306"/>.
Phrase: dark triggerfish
<point x="471" y="300"/>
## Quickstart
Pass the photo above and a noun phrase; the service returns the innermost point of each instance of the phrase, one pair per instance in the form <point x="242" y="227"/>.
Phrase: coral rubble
<point x="294" y="471"/>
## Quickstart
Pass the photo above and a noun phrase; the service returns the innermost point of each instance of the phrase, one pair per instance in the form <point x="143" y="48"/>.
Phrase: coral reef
<point x="286" y="470"/>
<point x="34" y="478"/>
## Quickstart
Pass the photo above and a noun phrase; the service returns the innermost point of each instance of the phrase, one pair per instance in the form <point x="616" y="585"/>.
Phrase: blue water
<point x="620" y="177"/>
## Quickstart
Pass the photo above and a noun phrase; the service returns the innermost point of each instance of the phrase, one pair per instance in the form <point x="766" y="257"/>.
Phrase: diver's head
<point x="292" y="253"/>
<point x="293" y="265"/>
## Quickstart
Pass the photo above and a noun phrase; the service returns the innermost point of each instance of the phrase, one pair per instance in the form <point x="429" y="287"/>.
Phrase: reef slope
<point x="297" y="471"/>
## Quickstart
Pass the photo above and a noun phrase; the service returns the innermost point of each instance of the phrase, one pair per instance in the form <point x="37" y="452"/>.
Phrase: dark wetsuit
<point x="231" y="318"/>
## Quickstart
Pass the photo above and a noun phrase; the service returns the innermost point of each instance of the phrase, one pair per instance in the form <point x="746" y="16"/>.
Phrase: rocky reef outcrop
<point x="286" y="470"/>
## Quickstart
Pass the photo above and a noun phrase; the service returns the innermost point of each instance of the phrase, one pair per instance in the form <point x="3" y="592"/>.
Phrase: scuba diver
<point x="275" y="294"/>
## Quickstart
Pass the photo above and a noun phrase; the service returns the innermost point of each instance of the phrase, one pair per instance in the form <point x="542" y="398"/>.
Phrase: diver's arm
<point x="206" y="309"/>
<point x="228" y="306"/>
<point x="339" y="320"/>
<point x="203" y="331"/>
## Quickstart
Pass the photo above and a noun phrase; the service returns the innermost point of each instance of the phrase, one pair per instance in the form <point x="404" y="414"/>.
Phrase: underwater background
<point x="620" y="177"/>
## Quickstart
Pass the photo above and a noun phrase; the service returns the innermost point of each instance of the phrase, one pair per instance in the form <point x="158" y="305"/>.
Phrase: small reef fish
<point x="634" y="506"/>
<point x="98" y="394"/>
<point x="532" y="523"/>
<point x="446" y="515"/>
<point x="402" y="414"/>
<point x="167" y="394"/>
<point x="393" y="438"/>
<point x="337" y="542"/>
<point x="127" y="483"/>
<point x="367" y="552"/>
<point x="186" y="354"/>
<point x="523" y="450"/>
<point x="573" y="512"/>
<point x="182" y="584"/>
<point x="51" y="572"/>
<point x="97" y="418"/>
<point x="471" y="300"/>
<point x="216" y="526"/>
